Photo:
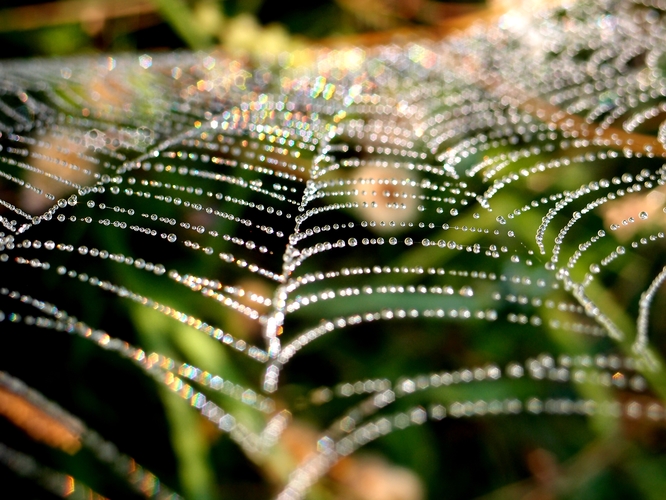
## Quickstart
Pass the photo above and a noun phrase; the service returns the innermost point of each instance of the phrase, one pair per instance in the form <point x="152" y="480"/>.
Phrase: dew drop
<point x="172" y="238"/>
<point x="661" y="135"/>
<point x="643" y="215"/>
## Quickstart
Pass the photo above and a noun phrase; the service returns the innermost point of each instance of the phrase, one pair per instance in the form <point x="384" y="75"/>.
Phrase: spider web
<point x="240" y="232"/>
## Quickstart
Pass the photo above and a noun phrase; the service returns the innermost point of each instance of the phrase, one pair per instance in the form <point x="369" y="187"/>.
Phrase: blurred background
<point x="86" y="26"/>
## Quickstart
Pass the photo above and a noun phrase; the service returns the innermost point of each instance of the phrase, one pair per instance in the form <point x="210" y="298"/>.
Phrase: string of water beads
<point x="301" y="340"/>
<point x="200" y="229"/>
<point x="500" y="184"/>
<point x="139" y="478"/>
<point x="121" y="291"/>
<point x="369" y="107"/>
<point x="483" y="141"/>
<point x="294" y="283"/>
<point x="171" y="237"/>
<point x="195" y="172"/>
<point x="580" y="369"/>
<point x="159" y="363"/>
<point x="583" y="190"/>
<point x="643" y="115"/>
<point x="642" y="323"/>
<point x="183" y="171"/>
<point x="620" y="251"/>
<point x="504" y="160"/>
<point x="202" y="284"/>
<point x="57" y="483"/>
<point x="557" y="116"/>
<point x="30" y="168"/>
<point x="307" y="252"/>
<point x="290" y="349"/>
<point x="168" y="372"/>
<point x="331" y="450"/>
<point x="535" y="368"/>
<point x="390" y="192"/>
<point x="196" y="284"/>
<point x="583" y="247"/>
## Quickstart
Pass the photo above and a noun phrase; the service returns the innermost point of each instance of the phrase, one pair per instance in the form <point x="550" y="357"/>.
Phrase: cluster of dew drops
<point x="407" y="158"/>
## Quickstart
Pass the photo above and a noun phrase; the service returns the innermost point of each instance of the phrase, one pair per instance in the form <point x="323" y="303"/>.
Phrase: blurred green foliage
<point x="67" y="27"/>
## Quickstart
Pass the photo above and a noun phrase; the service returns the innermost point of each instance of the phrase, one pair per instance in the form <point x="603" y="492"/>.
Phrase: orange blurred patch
<point x="630" y="206"/>
<point x="37" y="424"/>
<point x="363" y="477"/>
<point x="59" y="159"/>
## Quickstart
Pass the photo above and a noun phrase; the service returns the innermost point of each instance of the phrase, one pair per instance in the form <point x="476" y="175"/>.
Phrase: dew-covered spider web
<point x="325" y="252"/>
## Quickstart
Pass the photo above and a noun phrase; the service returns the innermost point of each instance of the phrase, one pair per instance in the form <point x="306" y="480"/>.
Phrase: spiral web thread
<point x="413" y="160"/>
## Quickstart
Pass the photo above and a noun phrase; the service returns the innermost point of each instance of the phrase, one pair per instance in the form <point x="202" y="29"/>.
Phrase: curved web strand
<point x="71" y="434"/>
